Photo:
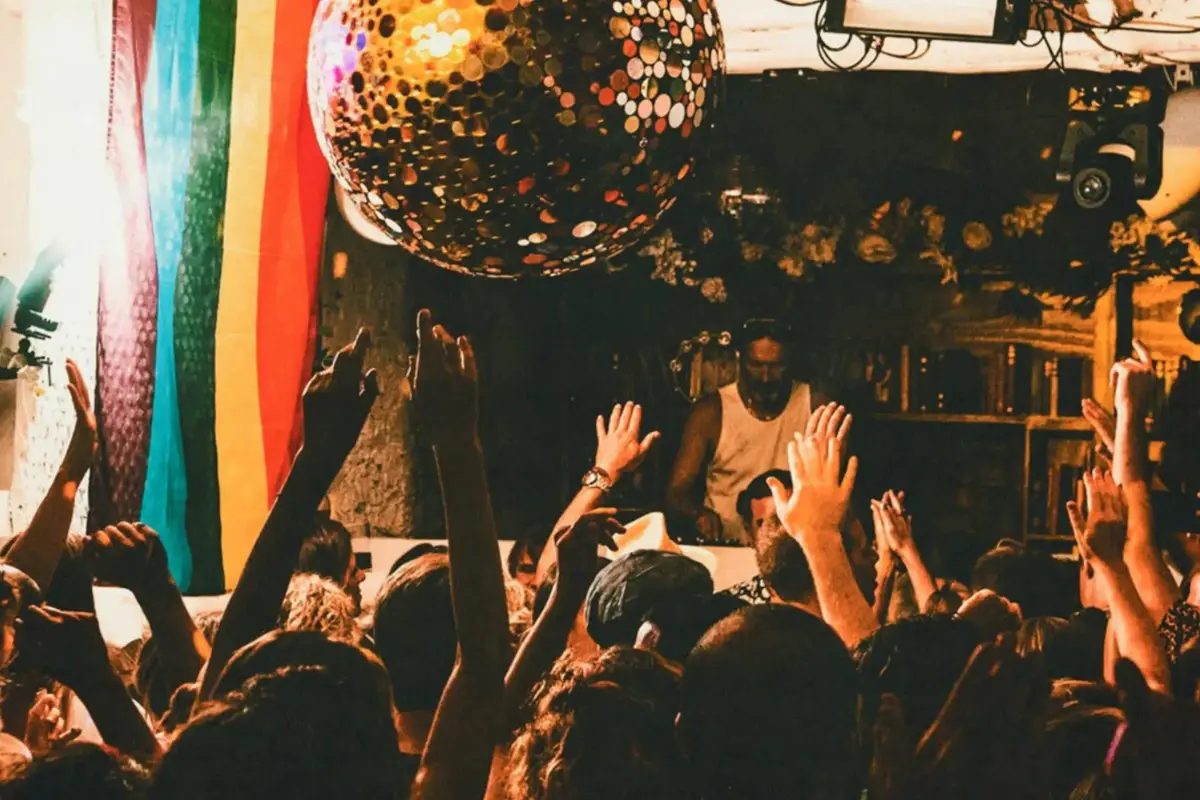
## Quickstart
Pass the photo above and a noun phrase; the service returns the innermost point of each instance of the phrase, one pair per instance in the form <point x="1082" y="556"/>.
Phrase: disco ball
<point x="513" y="137"/>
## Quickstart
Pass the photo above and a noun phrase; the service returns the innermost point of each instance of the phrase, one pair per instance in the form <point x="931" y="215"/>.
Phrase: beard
<point x="769" y="393"/>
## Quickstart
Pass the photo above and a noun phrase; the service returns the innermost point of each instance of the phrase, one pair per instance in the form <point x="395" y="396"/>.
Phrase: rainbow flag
<point x="207" y="319"/>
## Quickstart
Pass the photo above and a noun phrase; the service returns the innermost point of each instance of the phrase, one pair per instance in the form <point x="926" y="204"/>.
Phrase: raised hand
<point x="45" y="727"/>
<point x="892" y="524"/>
<point x="81" y="451"/>
<point x="1105" y="426"/>
<point x="577" y="550"/>
<point x="820" y="494"/>
<point x="827" y="423"/>
<point x="1133" y="380"/>
<point x="445" y="384"/>
<point x="128" y="555"/>
<point x="337" y="401"/>
<point x="1101" y="536"/>
<point x="619" y="450"/>
<point x="64" y="645"/>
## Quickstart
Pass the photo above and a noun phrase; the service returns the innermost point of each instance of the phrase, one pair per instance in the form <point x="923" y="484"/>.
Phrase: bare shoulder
<point x="706" y="414"/>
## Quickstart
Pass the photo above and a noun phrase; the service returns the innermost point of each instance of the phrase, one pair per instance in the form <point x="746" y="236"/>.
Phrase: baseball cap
<point x="628" y="589"/>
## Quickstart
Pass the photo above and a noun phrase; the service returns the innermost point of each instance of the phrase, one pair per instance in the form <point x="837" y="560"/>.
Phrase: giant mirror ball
<point x="509" y="138"/>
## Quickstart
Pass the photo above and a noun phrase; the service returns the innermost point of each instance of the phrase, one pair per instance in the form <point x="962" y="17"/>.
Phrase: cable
<point x="1138" y="25"/>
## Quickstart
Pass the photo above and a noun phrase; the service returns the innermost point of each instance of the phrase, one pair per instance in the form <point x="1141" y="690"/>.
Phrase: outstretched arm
<point x="37" y="550"/>
<point x="458" y="752"/>
<point x="620" y="449"/>
<point x="336" y="403"/>
<point x="132" y="557"/>
<point x="813" y="513"/>
<point x="1101" y="540"/>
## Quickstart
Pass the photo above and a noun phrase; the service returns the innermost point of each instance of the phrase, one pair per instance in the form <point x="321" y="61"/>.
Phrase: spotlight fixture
<point x="1114" y="143"/>
<point x="995" y="21"/>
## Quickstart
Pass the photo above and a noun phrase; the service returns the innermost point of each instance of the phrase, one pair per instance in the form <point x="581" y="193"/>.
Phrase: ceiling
<point x="764" y="35"/>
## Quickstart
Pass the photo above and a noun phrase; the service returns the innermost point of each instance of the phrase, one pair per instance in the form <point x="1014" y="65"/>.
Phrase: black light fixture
<point x="994" y="21"/>
<point x="1113" y="148"/>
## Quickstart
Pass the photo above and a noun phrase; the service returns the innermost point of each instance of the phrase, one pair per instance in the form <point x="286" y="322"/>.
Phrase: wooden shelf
<point x="1035" y="422"/>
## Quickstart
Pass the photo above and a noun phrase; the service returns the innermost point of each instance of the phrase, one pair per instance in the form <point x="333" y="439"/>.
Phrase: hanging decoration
<point x="439" y="119"/>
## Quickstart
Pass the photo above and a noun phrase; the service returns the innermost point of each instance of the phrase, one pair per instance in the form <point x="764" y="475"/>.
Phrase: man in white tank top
<point x="738" y="433"/>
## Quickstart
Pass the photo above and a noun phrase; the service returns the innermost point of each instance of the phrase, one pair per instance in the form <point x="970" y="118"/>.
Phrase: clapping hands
<point x="893" y="526"/>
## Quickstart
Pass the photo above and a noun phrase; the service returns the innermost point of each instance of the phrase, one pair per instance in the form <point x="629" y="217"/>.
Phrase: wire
<point x="1137" y="25"/>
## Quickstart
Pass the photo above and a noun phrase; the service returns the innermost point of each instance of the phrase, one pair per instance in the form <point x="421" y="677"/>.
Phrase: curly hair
<point x="602" y="728"/>
<point x="316" y="603"/>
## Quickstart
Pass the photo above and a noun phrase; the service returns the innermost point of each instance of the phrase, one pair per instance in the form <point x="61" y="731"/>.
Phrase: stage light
<point x="997" y="21"/>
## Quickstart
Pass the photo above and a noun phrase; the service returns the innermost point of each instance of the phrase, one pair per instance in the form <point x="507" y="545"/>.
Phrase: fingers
<point x="467" y="355"/>
<point x="778" y="492"/>
<point x="600" y="428"/>
<point x="370" y="390"/>
<point x="1077" y="526"/>
<point x="1142" y="353"/>
<point x="614" y="419"/>
<point x="649" y="441"/>
<point x="844" y="430"/>
<point x="793" y="457"/>
<point x="635" y="420"/>
<point x="850" y="477"/>
<point x="424" y="329"/>
<point x="626" y="416"/>
<point x="347" y="364"/>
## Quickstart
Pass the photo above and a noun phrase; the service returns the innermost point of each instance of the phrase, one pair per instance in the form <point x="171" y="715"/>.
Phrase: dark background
<point x="554" y="353"/>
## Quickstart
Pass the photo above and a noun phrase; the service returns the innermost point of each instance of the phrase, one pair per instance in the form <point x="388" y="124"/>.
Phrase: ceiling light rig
<point x="869" y="25"/>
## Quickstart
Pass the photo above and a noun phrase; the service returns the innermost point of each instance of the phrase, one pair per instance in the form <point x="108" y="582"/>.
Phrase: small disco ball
<point x="513" y="137"/>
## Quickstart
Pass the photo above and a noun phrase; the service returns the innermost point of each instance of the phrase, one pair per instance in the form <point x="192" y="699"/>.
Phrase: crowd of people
<point x="847" y="668"/>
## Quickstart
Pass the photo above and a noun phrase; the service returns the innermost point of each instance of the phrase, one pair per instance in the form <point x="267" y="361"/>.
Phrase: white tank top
<point x="746" y="448"/>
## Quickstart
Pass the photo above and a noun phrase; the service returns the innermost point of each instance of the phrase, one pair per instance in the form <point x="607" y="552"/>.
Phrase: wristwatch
<point x="597" y="478"/>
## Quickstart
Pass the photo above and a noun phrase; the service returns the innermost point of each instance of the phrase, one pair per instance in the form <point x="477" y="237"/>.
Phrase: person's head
<point x="328" y="552"/>
<point x="755" y="504"/>
<point x="316" y="603"/>
<point x="767" y="708"/>
<point x="313" y="719"/>
<point x="763" y="358"/>
<point x="17" y="591"/>
<point x="523" y="557"/>
<point x="673" y="629"/>
<point x="1077" y="739"/>
<point x="1065" y="648"/>
<point x="415" y="552"/>
<point x="1030" y="580"/>
<point x="783" y="565"/>
<point x="603" y="728"/>
<point x="918" y="659"/>
<point x="78" y="770"/>
<point x="625" y="591"/>
<point x="70" y="587"/>
<point x="415" y="633"/>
